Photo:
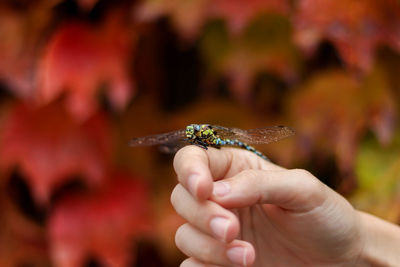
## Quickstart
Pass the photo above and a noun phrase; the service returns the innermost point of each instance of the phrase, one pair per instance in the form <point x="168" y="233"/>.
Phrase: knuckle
<point x="301" y="173"/>
<point x="304" y="178"/>
<point x="311" y="187"/>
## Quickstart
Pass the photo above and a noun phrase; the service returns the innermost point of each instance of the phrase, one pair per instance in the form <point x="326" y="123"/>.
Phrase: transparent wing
<point x="158" y="139"/>
<point x="224" y="132"/>
<point x="255" y="136"/>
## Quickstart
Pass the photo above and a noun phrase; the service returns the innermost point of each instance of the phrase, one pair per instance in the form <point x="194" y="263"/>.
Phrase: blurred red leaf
<point x="49" y="147"/>
<point x="166" y="223"/>
<point x="239" y="13"/>
<point x="80" y="58"/>
<point x="22" y="242"/>
<point x="355" y="27"/>
<point x="102" y="224"/>
<point x="22" y="32"/>
<point x="189" y="17"/>
<point x="333" y="110"/>
<point x="87" y="5"/>
<point x="263" y="46"/>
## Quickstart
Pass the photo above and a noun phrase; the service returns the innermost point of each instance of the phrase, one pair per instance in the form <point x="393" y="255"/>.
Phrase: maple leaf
<point x="333" y="110"/>
<point x="49" y="147"/>
<point x="80" y="57"/>
<point x="21" y="241"/>
<point x="21" y="33"/>
<point x="189" y="17"/>
<point x="87" y="5"/>
<point x="239" y="13"/>
<point x="354" y="27"/>
<point x="100" y="224"/>
<point x="264" y="46"/>
<point x="166" y="223"/>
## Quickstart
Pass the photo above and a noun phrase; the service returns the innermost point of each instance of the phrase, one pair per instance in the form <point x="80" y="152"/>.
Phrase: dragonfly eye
<point x="189" y="131"/>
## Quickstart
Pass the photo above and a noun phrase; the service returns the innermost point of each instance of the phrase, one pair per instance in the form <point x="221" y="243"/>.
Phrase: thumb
<point x="295" y="190"/>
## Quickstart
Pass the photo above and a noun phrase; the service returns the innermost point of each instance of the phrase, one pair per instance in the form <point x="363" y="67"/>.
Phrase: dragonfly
<point x="207" y="135"/>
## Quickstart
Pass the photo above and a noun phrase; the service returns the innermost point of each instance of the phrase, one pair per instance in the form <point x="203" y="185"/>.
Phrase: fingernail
<point x="219" y="226"/>
<point x="193" y="180"/>
<point x="237" y="255"/>
<point x="221" y="188"/>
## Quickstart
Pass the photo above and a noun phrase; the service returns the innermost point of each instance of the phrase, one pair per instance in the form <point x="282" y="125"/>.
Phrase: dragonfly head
<point x="189" y="131"/>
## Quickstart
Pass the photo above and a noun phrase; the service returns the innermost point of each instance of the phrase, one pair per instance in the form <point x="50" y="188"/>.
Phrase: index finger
<point x="198" y="168"/>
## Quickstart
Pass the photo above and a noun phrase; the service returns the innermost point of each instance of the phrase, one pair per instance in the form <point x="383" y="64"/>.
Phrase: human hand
<point x="242" y="210"/>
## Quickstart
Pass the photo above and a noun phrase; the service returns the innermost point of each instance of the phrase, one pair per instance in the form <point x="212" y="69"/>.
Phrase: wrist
<point x="381" y="242"/>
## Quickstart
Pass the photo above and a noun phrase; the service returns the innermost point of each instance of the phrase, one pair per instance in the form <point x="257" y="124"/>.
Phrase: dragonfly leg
<point x="216" y="146"/>
<point x="201" y="144"/>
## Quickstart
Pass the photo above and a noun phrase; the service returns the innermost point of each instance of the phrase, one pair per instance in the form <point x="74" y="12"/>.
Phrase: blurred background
<point x="79" y="79"/>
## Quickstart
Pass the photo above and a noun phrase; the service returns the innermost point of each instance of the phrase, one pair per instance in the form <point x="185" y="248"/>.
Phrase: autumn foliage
<point x="79" y="78"/>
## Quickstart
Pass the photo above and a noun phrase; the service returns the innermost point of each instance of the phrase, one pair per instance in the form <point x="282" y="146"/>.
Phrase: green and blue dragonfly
<point x="205" y="135"/>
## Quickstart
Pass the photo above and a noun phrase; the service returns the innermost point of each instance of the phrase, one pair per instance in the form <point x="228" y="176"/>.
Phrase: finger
<point x="192" y="168"/>
<point x="295" y="190"/>
<point x="207" y="216"/>
<point x="204" y="248"/>
<point x="197" y="168"/>
<point x="191" y="262"/>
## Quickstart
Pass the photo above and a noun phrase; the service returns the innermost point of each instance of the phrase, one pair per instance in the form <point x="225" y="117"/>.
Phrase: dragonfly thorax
<point x="203" y="133"/>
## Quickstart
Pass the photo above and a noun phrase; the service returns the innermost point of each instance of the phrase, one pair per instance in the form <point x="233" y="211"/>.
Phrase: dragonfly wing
<point x="225" y="132"/>
<point x="263" y="135"/>
<point x="158" y="139"/>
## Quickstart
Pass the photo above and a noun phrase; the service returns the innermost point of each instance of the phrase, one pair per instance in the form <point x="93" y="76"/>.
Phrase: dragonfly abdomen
<point x="234" y="142"/>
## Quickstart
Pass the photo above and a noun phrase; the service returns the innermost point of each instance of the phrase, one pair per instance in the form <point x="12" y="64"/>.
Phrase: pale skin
<point x="244" y="211"/>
